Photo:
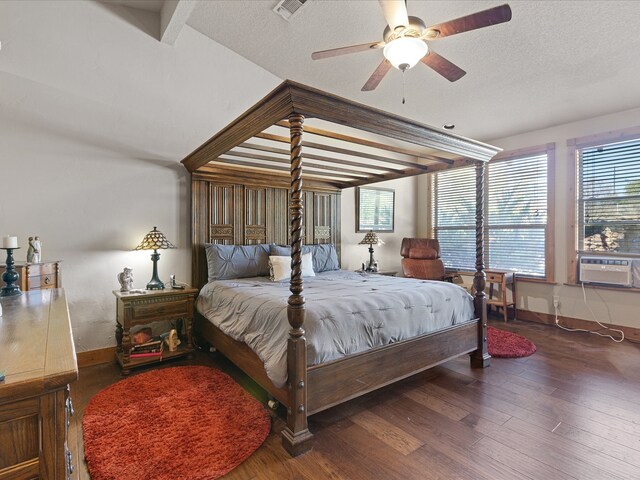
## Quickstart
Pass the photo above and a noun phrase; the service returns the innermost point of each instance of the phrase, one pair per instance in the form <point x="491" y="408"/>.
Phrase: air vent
<point x="288" y="8"/>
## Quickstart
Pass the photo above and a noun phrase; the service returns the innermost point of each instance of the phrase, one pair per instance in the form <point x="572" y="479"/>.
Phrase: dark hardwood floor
<point x="570" y="411"/>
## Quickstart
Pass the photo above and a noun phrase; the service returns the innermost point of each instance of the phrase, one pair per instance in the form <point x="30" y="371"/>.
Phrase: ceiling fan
<point x="406" y="40"/>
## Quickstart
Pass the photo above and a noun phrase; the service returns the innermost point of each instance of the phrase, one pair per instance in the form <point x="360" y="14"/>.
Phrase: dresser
<point x="37" y="276"/>
<point x="38" y="357"/>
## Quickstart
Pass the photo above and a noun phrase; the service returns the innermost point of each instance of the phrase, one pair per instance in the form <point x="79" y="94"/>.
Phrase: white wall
<point x="95" y="115"/>
<point x="617" y="307"/>
<point x="388" y="255"/>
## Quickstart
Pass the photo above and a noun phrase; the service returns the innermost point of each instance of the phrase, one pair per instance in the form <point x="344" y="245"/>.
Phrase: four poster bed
<point x="242" y="194"/>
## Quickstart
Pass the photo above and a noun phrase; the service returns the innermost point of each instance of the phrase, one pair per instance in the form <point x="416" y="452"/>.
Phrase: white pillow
<point x="280" y="267"/>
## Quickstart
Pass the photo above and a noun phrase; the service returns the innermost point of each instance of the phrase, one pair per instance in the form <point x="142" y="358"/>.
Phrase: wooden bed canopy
<point x="249" y="155"/>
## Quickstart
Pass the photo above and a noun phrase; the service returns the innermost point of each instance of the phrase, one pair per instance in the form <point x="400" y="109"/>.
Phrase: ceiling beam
<point x="173" y="17"/>
<point x="369" y="143"/>
<point x="233" y="174"/>
<point x="331" y="168"/>
<point x="345" y="151"/>
<point x="262" y="166"/>
<point x="311" y="156"/>
<point x="410" y="172"/>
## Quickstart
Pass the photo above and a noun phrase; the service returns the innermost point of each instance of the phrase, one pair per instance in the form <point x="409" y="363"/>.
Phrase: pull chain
<point x="403" y="84"/>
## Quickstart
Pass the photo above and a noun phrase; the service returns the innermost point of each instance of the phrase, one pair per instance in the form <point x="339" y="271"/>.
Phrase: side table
<point x="152" y="306"/>
<point x="388" y="273"/>
<point x="503" y="278"/>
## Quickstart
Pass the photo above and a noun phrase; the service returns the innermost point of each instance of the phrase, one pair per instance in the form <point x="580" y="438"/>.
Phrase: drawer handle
<point x="47" y="280"/>
<point x="70" y="462"/>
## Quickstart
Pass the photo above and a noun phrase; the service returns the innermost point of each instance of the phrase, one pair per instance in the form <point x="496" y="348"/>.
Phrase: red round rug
<point x="181" y="423"/>
<point x="501" y="343"/>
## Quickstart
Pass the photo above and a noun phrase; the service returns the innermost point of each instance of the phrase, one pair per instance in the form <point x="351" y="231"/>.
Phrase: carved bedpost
<point x="296" y="437"/>
<point x="480" y="358"/>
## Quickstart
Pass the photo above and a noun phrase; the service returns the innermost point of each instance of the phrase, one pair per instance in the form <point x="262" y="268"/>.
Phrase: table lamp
<point x="155" y="240"/>
<point x="370" y="239"/>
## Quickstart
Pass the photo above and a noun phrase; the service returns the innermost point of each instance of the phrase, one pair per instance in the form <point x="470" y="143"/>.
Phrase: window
<point x="516" y="211"/>
<point x="609" y="197"/>
<point x="374" y="209"/>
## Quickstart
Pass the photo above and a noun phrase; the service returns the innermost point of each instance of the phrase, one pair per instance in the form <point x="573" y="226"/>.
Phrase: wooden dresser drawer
<point x="36" y="270"/>
<point x="20" y="432"/>
<point x="160" y="310"/>
<point x="42" y="281"/>
<point x="37" y="276"/>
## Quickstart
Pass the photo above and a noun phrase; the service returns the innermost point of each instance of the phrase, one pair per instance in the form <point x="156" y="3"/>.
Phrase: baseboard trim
<point x="96" y="357"/>
<point x="631" y="333"/>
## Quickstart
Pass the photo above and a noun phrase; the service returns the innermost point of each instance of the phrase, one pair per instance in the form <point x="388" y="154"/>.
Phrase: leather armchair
<point x="421" y="259"/>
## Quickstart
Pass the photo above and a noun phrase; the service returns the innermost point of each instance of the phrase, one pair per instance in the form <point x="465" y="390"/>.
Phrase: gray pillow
<point x="324" y="255"/>
<point x="237" y="261"/>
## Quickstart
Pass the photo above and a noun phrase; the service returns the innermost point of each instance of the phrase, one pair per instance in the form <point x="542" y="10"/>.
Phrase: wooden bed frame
<point x="237" y="197"/>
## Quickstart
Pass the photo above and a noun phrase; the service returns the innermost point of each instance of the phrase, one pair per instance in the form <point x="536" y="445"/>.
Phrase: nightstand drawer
<point x="159" y="310"/>
<point x="42" y="281"/>
<point x="494" y="277"/>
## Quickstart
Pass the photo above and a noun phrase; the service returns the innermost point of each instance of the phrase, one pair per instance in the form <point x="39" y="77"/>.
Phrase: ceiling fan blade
<point x="395" y="13"/>
<point x="485" y="18"/>
<point x="443" y="66"/>
<point x="377" y="76"/>
<point x="334" y="52"/>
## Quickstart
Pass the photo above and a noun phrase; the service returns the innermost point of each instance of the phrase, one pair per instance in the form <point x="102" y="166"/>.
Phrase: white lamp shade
<point x="405" y="51"/>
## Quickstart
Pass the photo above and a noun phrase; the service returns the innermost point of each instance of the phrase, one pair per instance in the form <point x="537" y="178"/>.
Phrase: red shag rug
<point x="501" y="343"/>
<point x="181" y="423"/>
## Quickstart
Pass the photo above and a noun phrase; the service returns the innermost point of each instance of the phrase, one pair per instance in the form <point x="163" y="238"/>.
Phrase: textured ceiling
<point x="555" y="62"/>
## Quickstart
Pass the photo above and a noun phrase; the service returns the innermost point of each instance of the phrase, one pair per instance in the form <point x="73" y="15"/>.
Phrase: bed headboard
<point x="234" y="213"/>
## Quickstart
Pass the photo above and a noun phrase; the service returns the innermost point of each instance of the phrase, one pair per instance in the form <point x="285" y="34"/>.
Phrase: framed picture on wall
<point x="375" y="208"/>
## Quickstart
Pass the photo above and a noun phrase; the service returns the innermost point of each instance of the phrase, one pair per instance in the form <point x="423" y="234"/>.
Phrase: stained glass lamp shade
<point x="371" y="239"/>
<point x="155" y="240"/>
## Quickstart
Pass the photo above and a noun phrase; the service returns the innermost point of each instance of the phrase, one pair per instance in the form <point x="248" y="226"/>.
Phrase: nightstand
<point x="134" y="309"/>
<point x="388" y="273"/>
<point x="503" y="278"/>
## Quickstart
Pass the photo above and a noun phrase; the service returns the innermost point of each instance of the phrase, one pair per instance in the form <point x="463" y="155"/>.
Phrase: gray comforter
<point x="347" y="312"/>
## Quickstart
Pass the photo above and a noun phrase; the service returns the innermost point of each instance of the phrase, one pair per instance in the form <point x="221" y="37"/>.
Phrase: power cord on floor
<point x="593" y="316"/>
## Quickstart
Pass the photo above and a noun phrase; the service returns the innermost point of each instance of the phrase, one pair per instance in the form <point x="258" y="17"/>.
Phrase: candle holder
<point x="10" y="276"/>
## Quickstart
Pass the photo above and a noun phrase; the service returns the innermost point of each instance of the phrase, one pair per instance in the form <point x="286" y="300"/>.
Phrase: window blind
<point x="609" y="197"/>
<point x="515" y="215"/>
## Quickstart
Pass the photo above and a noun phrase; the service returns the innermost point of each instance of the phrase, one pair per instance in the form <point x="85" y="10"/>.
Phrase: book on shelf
<point x="146" y="355"/>
<point x="149" y="349"/>
<point x="153" y="341"/>
<point x="146" y="352"/>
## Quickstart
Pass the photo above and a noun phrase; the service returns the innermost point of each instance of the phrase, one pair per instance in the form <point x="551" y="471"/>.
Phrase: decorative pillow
<point x="280" y="267"/>
<point x="324" y="255"/>
<point x="237" y="261"/>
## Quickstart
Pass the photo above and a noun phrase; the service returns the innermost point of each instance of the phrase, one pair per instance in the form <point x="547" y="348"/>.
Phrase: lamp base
<point x="155" y="284"/>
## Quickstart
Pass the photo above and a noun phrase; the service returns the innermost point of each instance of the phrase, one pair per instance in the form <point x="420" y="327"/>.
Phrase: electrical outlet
<point x="556" y="301"/>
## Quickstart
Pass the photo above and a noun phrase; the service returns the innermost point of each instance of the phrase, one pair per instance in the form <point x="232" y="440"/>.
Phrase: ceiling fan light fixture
<point x="405" y="52"/>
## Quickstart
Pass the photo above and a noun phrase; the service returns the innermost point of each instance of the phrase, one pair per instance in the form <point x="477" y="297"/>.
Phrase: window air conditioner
<point x="606" y="271"/>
